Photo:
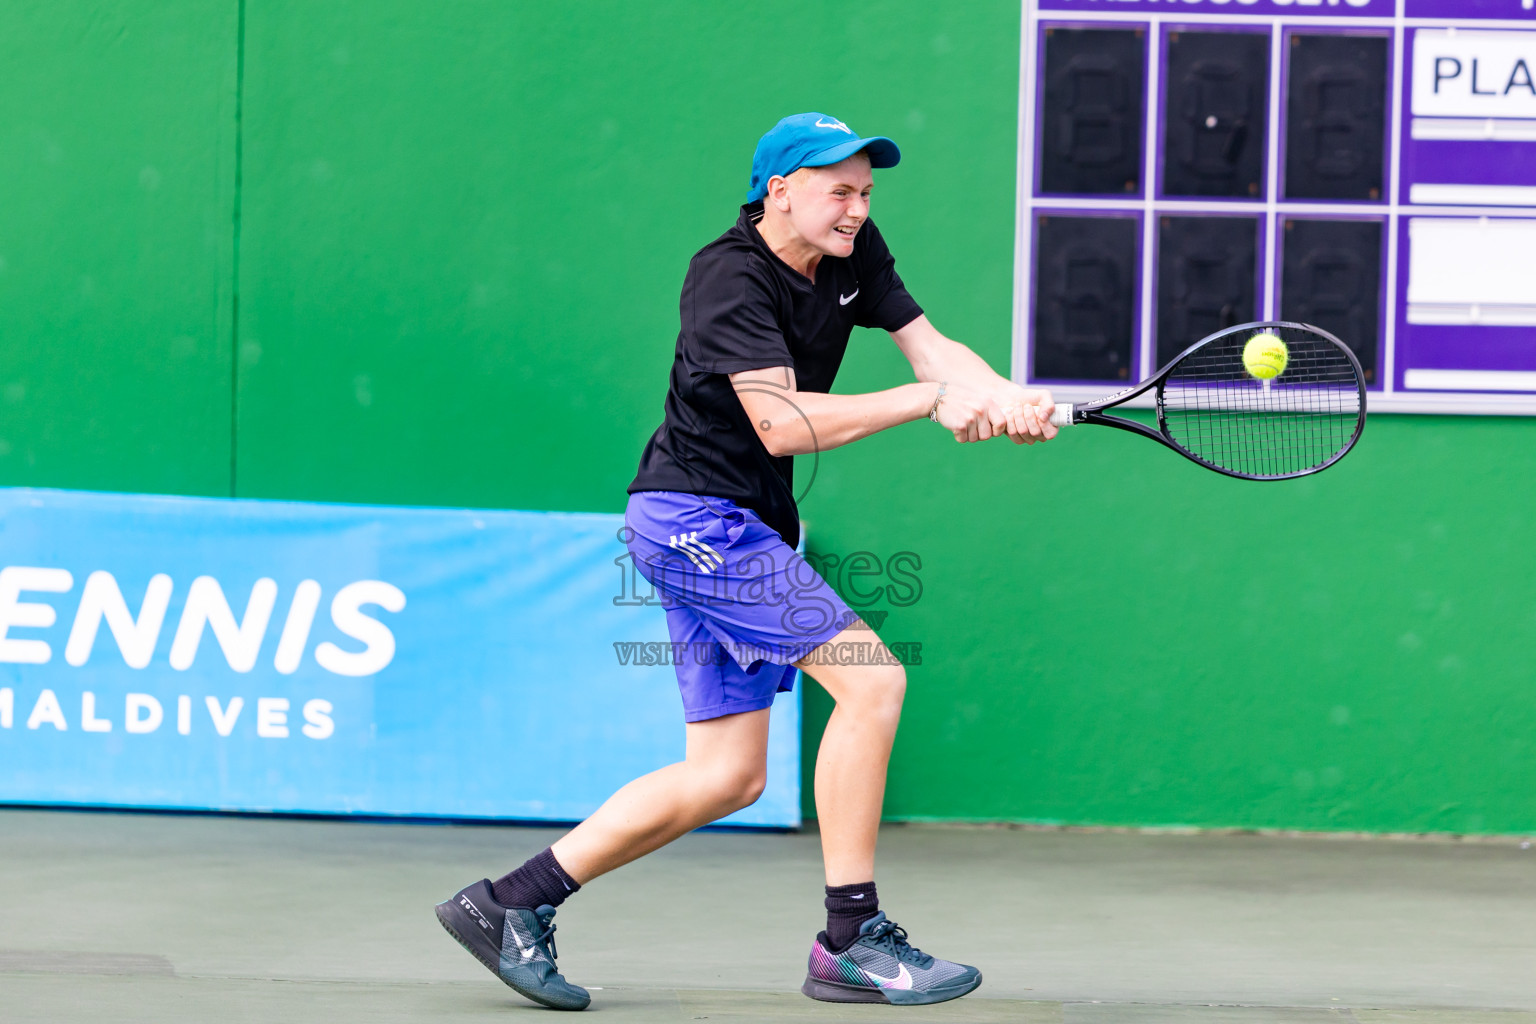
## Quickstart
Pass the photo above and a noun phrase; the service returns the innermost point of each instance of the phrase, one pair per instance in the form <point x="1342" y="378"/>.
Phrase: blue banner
<point x="280" y="656"/>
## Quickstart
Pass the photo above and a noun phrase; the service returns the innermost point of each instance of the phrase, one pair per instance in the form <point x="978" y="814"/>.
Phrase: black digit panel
<point x="1335" y="127"/>
<point x="1085" y="284"/>
<point x="1215" y="114"/>
<point x="1092" y="111"/>
<point x="1205" y="278"/>
<point x="1331" y="277"/>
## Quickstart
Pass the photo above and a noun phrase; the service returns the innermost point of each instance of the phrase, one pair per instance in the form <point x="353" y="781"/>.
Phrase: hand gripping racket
<point x="1240" y="404"/>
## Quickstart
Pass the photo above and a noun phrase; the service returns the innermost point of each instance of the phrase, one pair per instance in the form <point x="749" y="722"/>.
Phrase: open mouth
<point x="846" y="232"/>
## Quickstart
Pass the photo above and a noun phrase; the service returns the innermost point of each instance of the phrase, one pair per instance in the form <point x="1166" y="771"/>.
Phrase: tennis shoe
<point x="517" y="944"/>
<point x="881" y="966"/>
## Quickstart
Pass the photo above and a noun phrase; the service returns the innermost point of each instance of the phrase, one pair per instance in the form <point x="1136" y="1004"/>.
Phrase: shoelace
<point x="547" y="923"/>
<point x="895" y="936"/>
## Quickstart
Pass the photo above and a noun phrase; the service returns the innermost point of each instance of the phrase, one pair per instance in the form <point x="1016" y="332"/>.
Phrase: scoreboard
<point x="1368" y="166"/>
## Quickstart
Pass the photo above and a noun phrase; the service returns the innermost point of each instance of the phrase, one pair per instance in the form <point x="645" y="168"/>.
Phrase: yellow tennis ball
<point x="1265" y="355"/>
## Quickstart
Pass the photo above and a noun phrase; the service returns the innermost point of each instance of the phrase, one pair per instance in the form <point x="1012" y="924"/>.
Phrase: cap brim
<point x="882" y="153"/>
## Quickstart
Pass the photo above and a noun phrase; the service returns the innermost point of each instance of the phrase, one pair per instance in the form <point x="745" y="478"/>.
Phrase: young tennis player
<point x="767" y="311"/>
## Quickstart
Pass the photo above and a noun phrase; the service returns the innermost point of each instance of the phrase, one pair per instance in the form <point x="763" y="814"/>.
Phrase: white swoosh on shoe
<point x="529" y="952"/>
<point x="903" y="979"/>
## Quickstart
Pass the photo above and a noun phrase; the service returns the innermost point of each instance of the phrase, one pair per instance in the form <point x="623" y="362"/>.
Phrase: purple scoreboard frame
<point x="1458" y="273"/>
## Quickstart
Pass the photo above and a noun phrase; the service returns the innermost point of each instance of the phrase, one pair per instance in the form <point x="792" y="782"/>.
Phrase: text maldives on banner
<point x="281" y="656"/>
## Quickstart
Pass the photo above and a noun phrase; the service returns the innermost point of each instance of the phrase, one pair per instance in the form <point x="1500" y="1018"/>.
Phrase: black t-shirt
<point x="743" y="308"/>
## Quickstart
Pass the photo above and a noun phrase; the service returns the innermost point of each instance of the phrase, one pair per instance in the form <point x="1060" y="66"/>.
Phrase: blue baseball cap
<point x="812" y="140"/>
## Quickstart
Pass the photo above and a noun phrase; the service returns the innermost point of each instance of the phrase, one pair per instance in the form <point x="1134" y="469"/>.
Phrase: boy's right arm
<point x="793" y="422"/>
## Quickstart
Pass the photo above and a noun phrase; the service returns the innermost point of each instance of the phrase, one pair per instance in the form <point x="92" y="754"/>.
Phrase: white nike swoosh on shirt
<point x="843" y="300"/>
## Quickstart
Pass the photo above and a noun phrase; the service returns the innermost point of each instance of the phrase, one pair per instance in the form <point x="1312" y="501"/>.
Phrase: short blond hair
<point x="801" y="177"/>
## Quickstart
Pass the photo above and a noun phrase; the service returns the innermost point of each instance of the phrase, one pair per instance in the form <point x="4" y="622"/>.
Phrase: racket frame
<point x="1093" y="412"/>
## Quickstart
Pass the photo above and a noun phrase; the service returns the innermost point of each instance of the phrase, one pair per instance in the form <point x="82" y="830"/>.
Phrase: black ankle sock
<point x="538" y="882"/>
<point x="849" y="906"/>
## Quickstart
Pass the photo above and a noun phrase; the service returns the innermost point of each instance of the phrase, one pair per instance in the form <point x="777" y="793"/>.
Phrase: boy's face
<point x="827" y="205"/>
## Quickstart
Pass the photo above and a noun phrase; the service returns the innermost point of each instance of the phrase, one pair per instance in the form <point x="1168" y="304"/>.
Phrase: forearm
<point x="937" y="358"/>
<point x="947" y="360"/>
<point x="1022" y="413"/>
<point x="800" y="422"/>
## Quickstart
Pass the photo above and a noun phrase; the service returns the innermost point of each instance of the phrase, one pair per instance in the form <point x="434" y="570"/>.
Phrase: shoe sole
<point x="838" y="992"/>
<point x="495" y="968"/>
<point x="469" y="947"/>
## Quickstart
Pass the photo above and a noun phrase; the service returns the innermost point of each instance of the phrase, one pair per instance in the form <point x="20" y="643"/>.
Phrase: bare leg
<point x="724" y="770"/>
<point x="855" y="750"/>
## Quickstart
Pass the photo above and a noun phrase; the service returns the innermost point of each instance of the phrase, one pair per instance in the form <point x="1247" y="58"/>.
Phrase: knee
<point x="884" y="691"/>
<point x="752" y="787"/>
<point x="733" y="787"/>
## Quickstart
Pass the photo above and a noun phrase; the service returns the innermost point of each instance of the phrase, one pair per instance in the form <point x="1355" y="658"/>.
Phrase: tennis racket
<point x="1253" y="411"/>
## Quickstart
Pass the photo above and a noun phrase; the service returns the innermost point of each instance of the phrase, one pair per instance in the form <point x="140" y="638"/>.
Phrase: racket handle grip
<point x="1061" y="416"/>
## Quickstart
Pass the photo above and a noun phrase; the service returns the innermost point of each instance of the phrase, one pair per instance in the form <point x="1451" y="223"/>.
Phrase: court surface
<point x="161" y="918"/>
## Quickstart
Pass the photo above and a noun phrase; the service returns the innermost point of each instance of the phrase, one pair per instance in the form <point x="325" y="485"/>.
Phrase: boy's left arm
<point x="1023" y="413"/>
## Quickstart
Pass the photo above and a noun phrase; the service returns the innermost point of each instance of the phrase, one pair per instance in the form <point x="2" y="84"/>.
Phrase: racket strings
<point x="1300" y="420"/>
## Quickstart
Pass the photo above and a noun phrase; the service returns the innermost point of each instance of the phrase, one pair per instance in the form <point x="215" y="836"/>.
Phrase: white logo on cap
<point x="835" y="123"/>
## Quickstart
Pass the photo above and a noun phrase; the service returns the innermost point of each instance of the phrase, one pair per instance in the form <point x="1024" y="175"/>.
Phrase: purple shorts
<point x="741" y="605"/>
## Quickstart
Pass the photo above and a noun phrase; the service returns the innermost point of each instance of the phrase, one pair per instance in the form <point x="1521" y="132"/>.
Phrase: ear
<point x="778" y="193"/>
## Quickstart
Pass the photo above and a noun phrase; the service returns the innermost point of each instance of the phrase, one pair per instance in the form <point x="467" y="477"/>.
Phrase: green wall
<point x="117" y="161"/>
<point x="457" y="232"/>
